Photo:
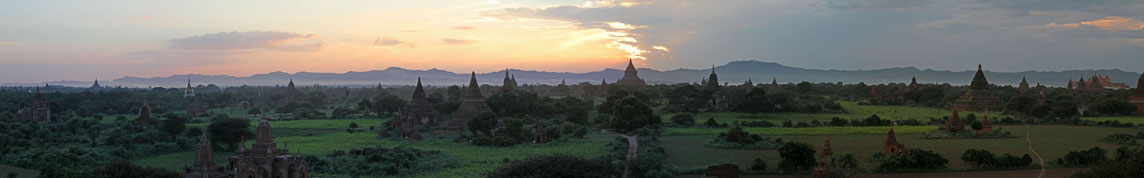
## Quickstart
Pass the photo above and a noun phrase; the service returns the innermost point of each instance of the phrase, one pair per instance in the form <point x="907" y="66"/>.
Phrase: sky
<point x="83" y="40"/>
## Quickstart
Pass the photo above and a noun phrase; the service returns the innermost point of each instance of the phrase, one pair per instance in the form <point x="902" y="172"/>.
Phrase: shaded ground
<point x="1053" y="141"/>
<point x="20" y="172"/>
<point x="1049" y="173"/>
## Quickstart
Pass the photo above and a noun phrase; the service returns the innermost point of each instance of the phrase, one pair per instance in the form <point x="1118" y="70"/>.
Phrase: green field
<point x="874" y="130"/>
<point x="475" y="159"/>
<point x="20" y="172"/>
<point x="853" y="111"/>
<point x="1122" y="119"/>
<point x="1050" y="141"/>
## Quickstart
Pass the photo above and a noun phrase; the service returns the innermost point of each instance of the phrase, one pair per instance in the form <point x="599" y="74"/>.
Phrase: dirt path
<point x="1030" y="141"/>
<point x="633" y="147"/>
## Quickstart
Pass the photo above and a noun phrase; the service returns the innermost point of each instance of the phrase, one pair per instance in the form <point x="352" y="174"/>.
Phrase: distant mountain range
<point x="733" y="73"/>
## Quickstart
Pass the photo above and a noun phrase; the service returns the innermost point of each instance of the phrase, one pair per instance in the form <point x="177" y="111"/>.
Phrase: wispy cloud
<point x="449" y="41"/>
<point x="383" y="41"/>
<point x="272" y="40"/>
<point x="463" y="28"/>
<point x="9" y="43"/>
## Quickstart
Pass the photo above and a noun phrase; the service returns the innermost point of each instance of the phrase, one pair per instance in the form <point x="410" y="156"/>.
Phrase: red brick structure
<point x="39" y="110"/>
<point x="954" y="124"/>
<point x="144" y="114"/>
<point x="1024" y="86"/>
<point x="891" y="146"/>
<point x="985" y="127"/>
<point x="978" y="98"/>
<point x="913" y="84"/>
<point x="204" y="166"/>
<point x="538" y="135"/>
<point x="265" y="160"/>
<point x="1096" y="83"/>
<point x="1137" y="97"/>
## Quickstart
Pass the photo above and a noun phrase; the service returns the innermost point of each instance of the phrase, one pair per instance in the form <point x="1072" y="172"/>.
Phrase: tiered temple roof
<point x="264" y="159"/>
<point x="509" y="82"/>
<point x="144" y="114"/>
<point x="1024" y="86"/>
<point x="204" y="166"/>
<point x="631" y="78"/>
<point x="985" y="126"/>
<point x="978" y="98"/>
<point x="891" y="146"/>
<point x="472" y="103"/>
<point x="39" y="110"/>
<point x="954" y="124"/>
<point x="914" y="84"/>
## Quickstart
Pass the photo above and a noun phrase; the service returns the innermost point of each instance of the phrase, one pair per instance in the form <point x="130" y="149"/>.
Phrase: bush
<point x="379" y="162"/>
<point x="683" y="119"/>
<point x="559" y="165"/>
<point x="1128" y="162"/>
<point x="1083" y="158"/>
<point x="758" y="164"/>
<point x="737" y="138"/>
<point x="494" y="141"/>
<point x="913" y="159"/>
<point x="796" y="157"/>
<point x="985" y="159"/>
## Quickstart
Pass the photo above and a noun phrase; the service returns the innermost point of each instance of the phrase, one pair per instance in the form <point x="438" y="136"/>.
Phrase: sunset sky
<point x="81" y="40"/>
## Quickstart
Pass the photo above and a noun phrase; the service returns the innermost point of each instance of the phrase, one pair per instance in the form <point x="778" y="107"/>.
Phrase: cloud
<point x="457" y="41"/>
<point x="383" y="41"/>
<point x="613" y="17"/>
<point x="873" y="4"/>
<point x="463" y="28"/>
<point x="303" y="47"/>
<point x="240" y="41"/>
<point x="9" y="43"/>
<point x="1116" y="23"/>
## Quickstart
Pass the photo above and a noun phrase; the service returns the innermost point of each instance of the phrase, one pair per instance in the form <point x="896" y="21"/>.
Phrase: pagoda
<point x="1137" y="96"/>
<point x="631" y="78"/>
<point x="891" y="146"/>
<point x="204" y="166"/>
<point x="820" y="170"/>
<point x="978" y="98"/>
<point x="472" y="103"/>
<point x="1024" y="86"/>
<point x="954" y="124"/>
<point x="144" y="114"/>
<point x="189" y="91"/>
<point x="38" y="109"/>
<point x="265" y="160"/>
<point x="985" y="126"/>
<point x="913" y="84"/>
<point x="509" y="83"/>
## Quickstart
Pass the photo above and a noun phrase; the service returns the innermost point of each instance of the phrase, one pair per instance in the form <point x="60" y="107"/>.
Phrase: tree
<point x="913" y="159"/>
<point x="229" y="131"/>
<point x="843" y="165"/>
<point x="758" y="164"/>
<point x="686" y="98"/>
<point x="484" y="122"/>
<point x="123" y="168"/>
<point x="796" y="157"/>
<point x="1128" y="162"/>
<point x="754" y="102"/>
<point x="631" y="113"/>
<point x="804" y="87"/>
<point x="683" y="119"/>
<point x="174" y="125"/>
<point x="559" y="165"/>
<point x="388" y="104"/>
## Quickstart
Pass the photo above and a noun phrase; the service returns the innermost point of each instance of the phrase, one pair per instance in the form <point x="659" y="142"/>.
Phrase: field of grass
<point x="475" y="159"/>
<point x="1122" y="119"/>
<point x="853" y="111"/>
<point x="20" y="172"/>
<point x="874" y="130"/>
<point x="1051" y="141"/>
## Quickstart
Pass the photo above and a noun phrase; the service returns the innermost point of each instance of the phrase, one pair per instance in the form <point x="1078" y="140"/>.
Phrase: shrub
<point x="796" y="157"/>
<point x="758" y="164"/>
<point x="683" y="119"/>
<point x="913" y="159"/>
<point x="1083" y="158"/>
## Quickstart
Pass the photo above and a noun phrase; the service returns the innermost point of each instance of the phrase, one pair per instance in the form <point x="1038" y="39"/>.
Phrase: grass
<point x="1051" y="141"/>
<point x="1122" y="119"/>
<point x="853" y="111"/>
<point x="20" y="172"/>
<point x="874" y="130"/>
<point x="476" y="160"/>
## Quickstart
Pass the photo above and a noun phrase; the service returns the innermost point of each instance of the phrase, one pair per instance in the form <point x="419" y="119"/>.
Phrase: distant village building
<point x="190" y="91"/>
<point x="204" y="166"/>
<point x="39" y="110"/>
<point x="265" y="160"/>
<point x="631" y="77"/>
<point x="891" y="146"/>
<point x="748" y="85"/>
<point x="978" y="98"/>
<point x="1137" y="97"/>
<point x="472" y="103"/>
<point x="1096" y="83"/>
<point x="538" y="135"/>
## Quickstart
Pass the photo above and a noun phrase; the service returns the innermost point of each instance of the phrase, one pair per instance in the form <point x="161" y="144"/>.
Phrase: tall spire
<point x="204" y="155"/>
<point x="826" y="150"/>
<point x="979" y="82"/>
